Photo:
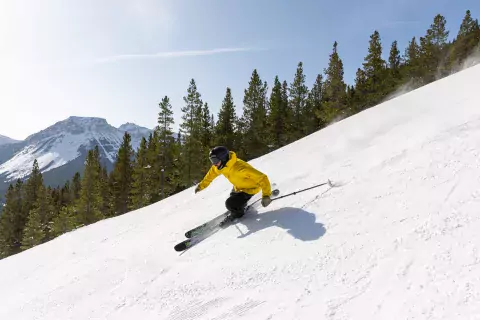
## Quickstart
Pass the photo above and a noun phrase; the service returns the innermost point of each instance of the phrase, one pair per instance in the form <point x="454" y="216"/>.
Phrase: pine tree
<point x="154" y="169"/>
<point x="55" y="195"/>
<point x="166" y="148"/>
<point x="412" y="70"/>
<point x="32" y="186"/>
<point x="39" y="219"/>
<point x="374" y="67"/>
<point x="225" y="130"/>
<point x="7" y="227"/>
<point x="76" y="187"/>
<point x="20" y="200"/>
<point x="88" y="208"/>
<point x="298" y="99"/>
<point x="65" y="195"/>
<point x="254" y="118"/>
<point x="288" y="113"/>
<point x="351" y="100"/>
<point x="241" y="148"/>
<point x="468" y="38"/>
<point x="359" y="96"/>
<point x="213" y="126"/>
<point x="315" y="97"/>
<point x="334" y="89"/>
<point x="177" y="166"/>
<point x="122" y="177"/>
<point x="279" y="129"/>
<point x="433" y="50"/>
<point x="34" y="231"/>
<point x="206" y="136"/>
<point x="191" y="131"/>
<point x="12" y="220"/>
<point x="63" y="222"/>
<point x="106" y="192"/>
<point x="428" y="64"/>
<point x="140" y="196"/>
<point x="394" y="64"/>
<point x="439" y="34"/>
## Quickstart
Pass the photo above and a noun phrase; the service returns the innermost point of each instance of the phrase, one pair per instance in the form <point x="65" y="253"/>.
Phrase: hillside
<point x="398" y="240"/>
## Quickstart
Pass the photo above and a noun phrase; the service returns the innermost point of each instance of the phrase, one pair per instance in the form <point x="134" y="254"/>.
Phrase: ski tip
<point x="182" y="245"/>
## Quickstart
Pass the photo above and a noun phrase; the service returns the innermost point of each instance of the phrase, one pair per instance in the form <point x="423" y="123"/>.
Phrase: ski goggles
<point x="214" y="160"/>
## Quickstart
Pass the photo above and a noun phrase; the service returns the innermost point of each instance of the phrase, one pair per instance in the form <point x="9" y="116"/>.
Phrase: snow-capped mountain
<point x="62" y="143"/>
<point x="136" y="131"/>
<point x="6" y="140"/>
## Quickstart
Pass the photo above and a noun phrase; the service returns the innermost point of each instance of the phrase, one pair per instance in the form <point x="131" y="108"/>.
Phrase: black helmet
<point x="221" y="154"/>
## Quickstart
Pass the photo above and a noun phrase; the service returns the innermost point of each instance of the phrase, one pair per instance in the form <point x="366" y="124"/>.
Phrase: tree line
<point x="166" y="163"/>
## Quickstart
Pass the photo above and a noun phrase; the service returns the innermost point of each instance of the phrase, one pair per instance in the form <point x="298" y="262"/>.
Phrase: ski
<point x="213" y="223"/>
<point x="188" y="243"/>
<point x="204" y="234"/>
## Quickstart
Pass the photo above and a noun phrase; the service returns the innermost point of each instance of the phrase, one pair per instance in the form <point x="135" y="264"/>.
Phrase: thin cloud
<point x="173" y="54"/>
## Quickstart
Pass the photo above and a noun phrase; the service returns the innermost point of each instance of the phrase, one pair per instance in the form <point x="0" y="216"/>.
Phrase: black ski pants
<point x="237" y="202"/>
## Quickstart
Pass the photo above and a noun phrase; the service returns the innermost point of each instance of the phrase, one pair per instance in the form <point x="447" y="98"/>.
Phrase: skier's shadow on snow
<point x="299" y="223"/>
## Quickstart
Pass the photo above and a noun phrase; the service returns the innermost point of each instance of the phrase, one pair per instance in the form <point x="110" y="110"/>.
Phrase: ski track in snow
<point x="398" y="239"/>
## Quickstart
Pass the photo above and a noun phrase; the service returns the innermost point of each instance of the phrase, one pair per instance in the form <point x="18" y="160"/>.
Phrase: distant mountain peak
<point x="6" y="140"/>
<point x="85" y="120"/>
<point x="129" y="126"/>
<point x="72" y="125"/>
<point x="135" y="130"/>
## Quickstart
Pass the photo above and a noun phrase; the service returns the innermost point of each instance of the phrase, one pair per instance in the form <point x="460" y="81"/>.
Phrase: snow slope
<point x="398" y="240"/>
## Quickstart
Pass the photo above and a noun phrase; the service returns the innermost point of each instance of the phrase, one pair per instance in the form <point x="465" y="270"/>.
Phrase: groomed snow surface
<point x="400" y="239"/>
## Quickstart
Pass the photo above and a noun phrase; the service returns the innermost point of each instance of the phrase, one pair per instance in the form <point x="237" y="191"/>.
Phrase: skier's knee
<point x="232" y="205"/>
<point x="229" y="204"/>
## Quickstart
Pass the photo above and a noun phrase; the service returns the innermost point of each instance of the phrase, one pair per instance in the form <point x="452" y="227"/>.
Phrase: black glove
<point x="266" y="201"/>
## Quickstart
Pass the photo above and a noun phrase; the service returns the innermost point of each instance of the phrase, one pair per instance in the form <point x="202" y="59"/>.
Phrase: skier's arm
<point x="211" y="174"/>
<point x="260" y="178"/>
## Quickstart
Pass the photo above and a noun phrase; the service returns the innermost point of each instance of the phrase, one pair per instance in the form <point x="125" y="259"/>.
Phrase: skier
<point x="246" y="180"/>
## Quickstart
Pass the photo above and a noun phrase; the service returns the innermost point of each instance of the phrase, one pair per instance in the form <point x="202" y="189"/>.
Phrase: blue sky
<point x="116" y="59"/>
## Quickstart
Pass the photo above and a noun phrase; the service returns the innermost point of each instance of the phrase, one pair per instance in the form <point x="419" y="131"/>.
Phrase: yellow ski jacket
<point x="242" y="175"/>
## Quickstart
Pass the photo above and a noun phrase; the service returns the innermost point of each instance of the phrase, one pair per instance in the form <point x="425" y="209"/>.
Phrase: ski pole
<point x="294" y="193"/>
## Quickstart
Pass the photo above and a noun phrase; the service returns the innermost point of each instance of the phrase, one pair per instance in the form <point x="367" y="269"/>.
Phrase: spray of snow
<point x="336" y="119"/>
<point x="398" y="240"/>
<point x="472" y="60"/>
<point x="403" y="89"/>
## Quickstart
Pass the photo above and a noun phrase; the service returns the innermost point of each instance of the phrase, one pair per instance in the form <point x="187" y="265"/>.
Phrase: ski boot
<point x="231" y="218"/>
